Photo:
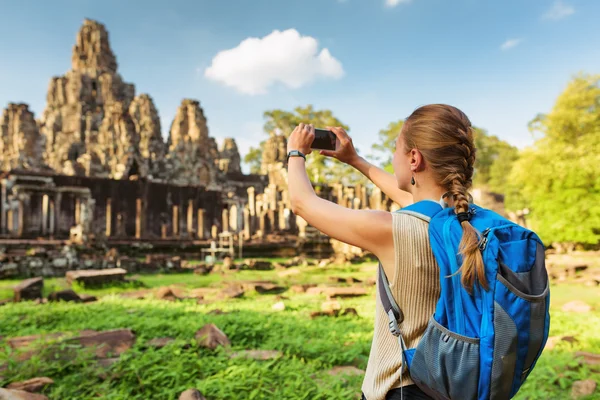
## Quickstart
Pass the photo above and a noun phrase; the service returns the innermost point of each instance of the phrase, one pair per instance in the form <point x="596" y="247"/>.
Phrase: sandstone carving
<point x="21" y="145"/>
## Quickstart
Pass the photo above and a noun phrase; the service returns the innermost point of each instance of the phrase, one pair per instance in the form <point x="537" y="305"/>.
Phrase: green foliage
<point x="309" y="347"/>
<point x="559" y="177"/>
<point x="387" y="144"/>
<point x="493" y="162"/>
<point x="253" y="159"/>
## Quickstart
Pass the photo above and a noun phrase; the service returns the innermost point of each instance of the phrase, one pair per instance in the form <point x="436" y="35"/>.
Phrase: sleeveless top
<point x="416" y="288"/>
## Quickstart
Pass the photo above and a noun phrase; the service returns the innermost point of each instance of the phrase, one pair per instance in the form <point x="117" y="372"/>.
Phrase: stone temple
<point x="94" y="168"/>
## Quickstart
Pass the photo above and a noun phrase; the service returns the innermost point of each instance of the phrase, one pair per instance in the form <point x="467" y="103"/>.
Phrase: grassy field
<point x="309" y="347"/>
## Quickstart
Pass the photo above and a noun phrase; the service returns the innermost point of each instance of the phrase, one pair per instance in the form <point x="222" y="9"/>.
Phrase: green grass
<point x="310" y="347"/>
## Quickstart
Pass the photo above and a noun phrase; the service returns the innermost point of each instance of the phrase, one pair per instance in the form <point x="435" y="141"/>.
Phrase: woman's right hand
<point x="345" y="151"/>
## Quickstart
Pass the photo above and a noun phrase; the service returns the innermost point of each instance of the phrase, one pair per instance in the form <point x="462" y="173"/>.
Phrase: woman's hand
<point x="301" y="139"/>
<point x="345" y="151"/>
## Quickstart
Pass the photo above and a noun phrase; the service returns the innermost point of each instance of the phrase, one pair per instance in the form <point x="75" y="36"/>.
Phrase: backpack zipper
<point x="484" y="239"/>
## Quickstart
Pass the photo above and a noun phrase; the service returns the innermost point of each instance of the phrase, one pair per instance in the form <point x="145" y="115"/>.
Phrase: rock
<point x="159" y="343"/>
<point x="302" y="288"/>
<point x="289" y="272"/>
<point x="323" y="263"/>
<point x="269" y="288"/>
<point x="96" y="277"/>
<point x="108" y="362"/>
<point x="316" y="290"/>
<point x="257" y="265"/>
<point x="22" y="342"/>
<point x="86" y="298"/>
<point x="261" y="355"/>
<point x="14" y="394"/>
<point x="349" y="311"/>
<point x="345" y="292"/>
<point x="554" y="340"/>
<point x="350" y="280"/>
<point x="107" y="344"/>
<point x="577" y="306"/>
<point x="279" y="306"/>
<point x="328" y="313"/>
<point x="345" y="370"/>
<point x="203" y="269"/>
<point x="331" y="305"/>
<point x="583" y="388"/>
<point x="232" y="292"/>
<point x="64" y="295"/>
<point x="191" y="394"/>
<point x="589" y="358"/>
<point x="228" y="263"/>
<point x="31" y="385"/>
<point x="29" y="289"/>
<point x="169" y="293"/>
<point x="210" y="336"/>
<point x="8" y="270"/>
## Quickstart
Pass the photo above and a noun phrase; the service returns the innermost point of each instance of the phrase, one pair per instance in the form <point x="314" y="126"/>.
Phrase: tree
<point x="253" y="159"/>
<point x="493" y="160"/>
<point x="559" y="176"/>
<point x="386" y="146"/>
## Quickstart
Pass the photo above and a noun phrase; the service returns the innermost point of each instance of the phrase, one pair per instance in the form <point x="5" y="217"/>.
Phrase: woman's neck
<point x="433" y="192"/>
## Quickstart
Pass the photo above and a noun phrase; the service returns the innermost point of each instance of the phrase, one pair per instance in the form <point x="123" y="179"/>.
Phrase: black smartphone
<point x="324" y="140"/>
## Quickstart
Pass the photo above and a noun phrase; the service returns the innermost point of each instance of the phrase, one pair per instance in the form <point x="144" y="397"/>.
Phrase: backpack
<point x="484" y="345"/>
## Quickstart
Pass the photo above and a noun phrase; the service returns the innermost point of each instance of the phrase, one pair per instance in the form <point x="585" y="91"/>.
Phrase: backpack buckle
<point x="393" y="325"/>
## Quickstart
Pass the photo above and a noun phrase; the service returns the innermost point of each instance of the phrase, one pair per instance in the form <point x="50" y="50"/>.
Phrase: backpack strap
<point x="424" y="210"/>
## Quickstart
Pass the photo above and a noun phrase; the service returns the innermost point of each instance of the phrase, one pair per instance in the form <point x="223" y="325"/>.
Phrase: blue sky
<point x="501" y="61"/>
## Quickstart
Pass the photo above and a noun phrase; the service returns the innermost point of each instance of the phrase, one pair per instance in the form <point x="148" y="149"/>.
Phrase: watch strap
<point x="295" y="153"/>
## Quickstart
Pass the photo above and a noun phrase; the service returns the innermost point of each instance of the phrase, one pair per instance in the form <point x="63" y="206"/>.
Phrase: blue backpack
<point x="481" y="345"/>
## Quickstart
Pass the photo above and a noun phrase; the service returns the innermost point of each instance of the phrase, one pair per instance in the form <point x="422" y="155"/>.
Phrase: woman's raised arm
<point x="367" y="229"/>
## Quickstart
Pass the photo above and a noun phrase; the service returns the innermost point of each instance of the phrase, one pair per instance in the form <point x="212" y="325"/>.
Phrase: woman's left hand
<point x="301" y="139"/>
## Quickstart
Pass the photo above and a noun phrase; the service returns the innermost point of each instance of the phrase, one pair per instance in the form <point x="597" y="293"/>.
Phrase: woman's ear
<point x="417" y="163"/>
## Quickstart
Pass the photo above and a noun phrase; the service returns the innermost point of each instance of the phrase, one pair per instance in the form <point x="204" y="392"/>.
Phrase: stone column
<point x="376" y="199"/>
<point x="233" y="218"/>
<point x="108" y="229"/>
<point x="51" y="218"/>
<point x="251" y="201"/>
<point x="45" y="201"/>
<point x="271" y="215"/>
<point x="282" y="224"/>
<point x="247" y="233"/>
<point x="200" y="223"/>
<point x="301" y="224"/>
<point x="138" y="218"/>
<point x="77" y="211"/>
<point x="190" y="218"/>
<point x="22" y="218"/>
<point x="225" y="219"/>
<point x="262" y="224"/>
<point x="175" y="220"/>
<point x="3" y="212"/>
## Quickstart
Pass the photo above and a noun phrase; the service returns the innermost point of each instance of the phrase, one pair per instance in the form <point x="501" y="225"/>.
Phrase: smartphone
<point x="324" y="140"/>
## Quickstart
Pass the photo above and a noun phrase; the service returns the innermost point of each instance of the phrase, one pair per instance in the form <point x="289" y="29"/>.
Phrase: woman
<point x="433" y="160"/>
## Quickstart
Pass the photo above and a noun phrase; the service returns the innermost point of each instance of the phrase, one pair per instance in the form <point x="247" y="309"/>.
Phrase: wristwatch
<point x="294" y="153"/>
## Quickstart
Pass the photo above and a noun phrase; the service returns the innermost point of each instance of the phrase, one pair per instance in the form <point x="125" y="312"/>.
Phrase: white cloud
<point x="509" y="44"/>
<point x="280" y="57"/>
<point x="394" y="3"/>
<point x="559" y="10"/>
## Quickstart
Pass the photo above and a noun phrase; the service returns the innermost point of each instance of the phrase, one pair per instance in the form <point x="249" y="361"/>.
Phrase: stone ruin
<point x="94" y="170"/>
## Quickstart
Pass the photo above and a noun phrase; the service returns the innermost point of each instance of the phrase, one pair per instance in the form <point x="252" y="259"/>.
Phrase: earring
<point x="412" y="180"/>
